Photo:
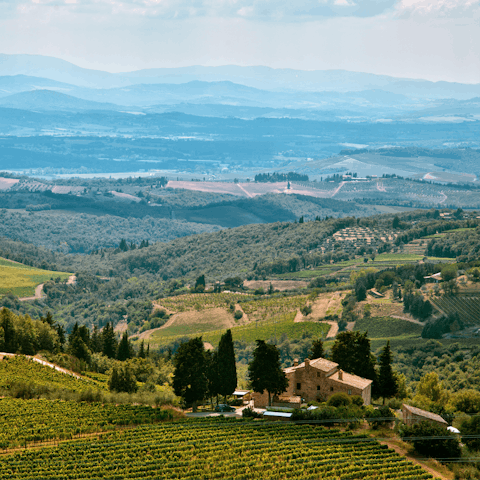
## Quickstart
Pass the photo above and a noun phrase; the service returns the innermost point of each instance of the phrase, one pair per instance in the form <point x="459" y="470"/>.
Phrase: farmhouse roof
<point x="424" y="413"/>
<point x="319" y="363"/>
<point x="353" y="380"/>
<point x="277" y="414"/>
<point x="240" y="392"/>
<point x="436" y="276"/>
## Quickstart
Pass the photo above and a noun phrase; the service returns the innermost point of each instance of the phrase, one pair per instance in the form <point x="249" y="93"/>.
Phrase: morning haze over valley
<point x="240" y="239"/>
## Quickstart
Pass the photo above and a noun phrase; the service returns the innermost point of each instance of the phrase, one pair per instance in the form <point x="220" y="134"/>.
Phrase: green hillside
<point x="20" y="370"/>
<point x="21" y="280"/>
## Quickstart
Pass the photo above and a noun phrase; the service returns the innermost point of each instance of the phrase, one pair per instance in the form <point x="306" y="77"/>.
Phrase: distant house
<point x="316" y="380"/>
<point x="413" y="415"/>
<point x="435" y="278"/>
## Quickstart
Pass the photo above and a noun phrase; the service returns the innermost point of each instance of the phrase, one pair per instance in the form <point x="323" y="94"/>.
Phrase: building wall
<point x="336" y="387"/>
<point x="313" y="384"/>
<point x="410" y="418"/>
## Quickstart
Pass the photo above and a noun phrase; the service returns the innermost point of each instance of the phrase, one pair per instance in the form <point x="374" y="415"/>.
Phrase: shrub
<point x="249" y="412"/>
<point x="238" y="315"/>
<point x="432" y="440"/>
<point x="306" y="310"/>
<point x="340" y="399"/>
<point x="471" y="426"/>
<point x="356" y="400"/>
<point x="377" y="417"/>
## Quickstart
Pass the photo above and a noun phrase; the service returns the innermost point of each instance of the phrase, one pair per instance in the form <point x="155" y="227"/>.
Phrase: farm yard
<point x="21" y="280"/>
<point x="215" y="449"/>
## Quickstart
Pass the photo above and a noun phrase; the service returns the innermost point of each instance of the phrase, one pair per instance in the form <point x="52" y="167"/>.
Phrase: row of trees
<point x="201" y="373"/>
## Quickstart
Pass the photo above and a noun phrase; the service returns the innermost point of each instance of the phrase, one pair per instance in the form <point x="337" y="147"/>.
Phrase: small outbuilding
<point x="413" y="415"/>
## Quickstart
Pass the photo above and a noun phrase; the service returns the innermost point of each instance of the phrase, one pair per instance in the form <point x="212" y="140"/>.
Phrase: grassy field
<point x="21" y="280"/>
<point x="386" y="327"/>
<point x="439" y="235"/>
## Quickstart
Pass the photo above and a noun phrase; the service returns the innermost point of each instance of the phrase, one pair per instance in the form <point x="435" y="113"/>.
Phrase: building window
<point x="331" y="389"/>
<point x="318" y="374"/>
<point x="299" y="386"/>
<point x="318" y="387"/>
<point x="349" y="392"/>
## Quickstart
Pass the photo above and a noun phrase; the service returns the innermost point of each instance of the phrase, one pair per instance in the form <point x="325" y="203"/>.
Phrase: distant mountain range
<point x="260" y="77"/>
<point x="49" y="100"/>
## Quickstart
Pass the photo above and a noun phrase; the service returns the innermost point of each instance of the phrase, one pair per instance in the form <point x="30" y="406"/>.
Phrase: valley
<point x="176" y="243"/>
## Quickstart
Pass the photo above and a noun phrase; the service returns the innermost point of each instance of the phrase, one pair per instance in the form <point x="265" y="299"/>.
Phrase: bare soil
<point x="280" y="285"/>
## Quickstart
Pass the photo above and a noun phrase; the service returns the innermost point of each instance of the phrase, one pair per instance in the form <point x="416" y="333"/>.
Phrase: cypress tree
<point x="317" y="350"/>
<point x="141" y="351"/>
<point x="227" y="370"/>
<point x="124" y="349"/>
<point x="109" y="341"/>
<point x="9" y="333"/>
<point x="190" y="379"/>
<point x="387" y="382"/>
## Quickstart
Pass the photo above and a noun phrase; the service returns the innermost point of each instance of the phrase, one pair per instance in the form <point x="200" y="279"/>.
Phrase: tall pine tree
<point x="317" y="350"/>
<point x="227" y="370"/>
<point x="351" y="351"/>
<point x="265" y="372"/>
<point x="190" y="379"/>
<point x="124" y="348"/>
<point x="387" y="385"/>
<point x="109" y="341"/>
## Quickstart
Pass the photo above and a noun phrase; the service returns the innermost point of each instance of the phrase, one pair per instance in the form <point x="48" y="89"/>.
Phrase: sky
<point x="429" y="39"/>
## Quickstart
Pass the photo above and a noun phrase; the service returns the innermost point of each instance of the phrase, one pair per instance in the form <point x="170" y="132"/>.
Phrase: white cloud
<point x="345" y="3"/>
<point x="284" y="10"/>
<point x="439" y="8"/>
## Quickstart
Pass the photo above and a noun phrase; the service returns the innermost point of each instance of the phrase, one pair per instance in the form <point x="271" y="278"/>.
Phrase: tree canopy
<point x="265" y="372"/>
<point x="190" y="379"/>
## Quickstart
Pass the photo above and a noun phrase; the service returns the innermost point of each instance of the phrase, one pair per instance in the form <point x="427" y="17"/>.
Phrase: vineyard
<point x="200" y="301"/>
<point x="268" y="308"/>
<point x="215" y="449"/>
<point x="20" y="370"/>
<point x="282" y="325"/>
<point x="386" y="327"/>
<point x="21" y="280"/>
<point x="468" y="307"/>
<point x="26" y="421"/>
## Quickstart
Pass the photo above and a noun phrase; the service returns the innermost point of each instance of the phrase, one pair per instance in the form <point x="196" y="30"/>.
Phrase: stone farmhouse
<point x="316" y="380"/>
<point x="413" y="415"/>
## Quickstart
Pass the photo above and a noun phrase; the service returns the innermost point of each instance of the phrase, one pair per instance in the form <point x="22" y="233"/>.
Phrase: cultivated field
<point x="215" y="449"/>
<point x="252" y="189"/>
<point x="21" y="280"/>
<point x="20" y="370"/>
<point x="468" y="307"/>
<point x="40" y="420"/>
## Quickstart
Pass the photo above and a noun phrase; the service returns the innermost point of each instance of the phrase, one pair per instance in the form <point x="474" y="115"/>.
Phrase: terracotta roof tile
<point x="425" y="414"/>
<point x="352" y="380"/>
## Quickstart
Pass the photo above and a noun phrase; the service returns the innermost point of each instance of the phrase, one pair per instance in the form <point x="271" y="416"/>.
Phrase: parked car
<point x="223" y="407"/>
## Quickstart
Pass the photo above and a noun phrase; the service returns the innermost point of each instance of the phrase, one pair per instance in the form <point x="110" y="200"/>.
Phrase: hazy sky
<point x="431" y="39"/>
